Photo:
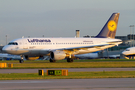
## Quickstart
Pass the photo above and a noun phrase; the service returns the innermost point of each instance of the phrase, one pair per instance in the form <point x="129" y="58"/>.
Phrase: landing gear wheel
<point x="21" y="61"/>
<point x="70" y="60"/>
<point x="51" y="60"/>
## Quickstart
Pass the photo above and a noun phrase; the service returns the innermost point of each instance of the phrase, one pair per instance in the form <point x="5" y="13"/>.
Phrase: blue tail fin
<point x="109" y="29"/>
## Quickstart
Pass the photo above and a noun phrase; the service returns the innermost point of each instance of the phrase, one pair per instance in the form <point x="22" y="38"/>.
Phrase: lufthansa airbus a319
<point x="61" y="48"/>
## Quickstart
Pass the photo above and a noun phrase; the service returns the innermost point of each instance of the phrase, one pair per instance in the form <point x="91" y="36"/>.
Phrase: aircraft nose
<point x="9" y="49"/>
<point x="123" y="52"/>
<point x="5" y="49"/>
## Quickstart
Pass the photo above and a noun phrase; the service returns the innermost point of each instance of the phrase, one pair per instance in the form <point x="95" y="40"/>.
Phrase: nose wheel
<point x="21" y="61"/>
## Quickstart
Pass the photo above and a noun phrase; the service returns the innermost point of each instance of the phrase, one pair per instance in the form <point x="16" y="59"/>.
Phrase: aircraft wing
<point x="82" y="47"/>
<point x="92" y="46"/>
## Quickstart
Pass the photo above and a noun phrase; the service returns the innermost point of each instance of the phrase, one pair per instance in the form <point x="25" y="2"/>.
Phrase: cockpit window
<point x="127" y="49"/>
<point x="13" y="43"/>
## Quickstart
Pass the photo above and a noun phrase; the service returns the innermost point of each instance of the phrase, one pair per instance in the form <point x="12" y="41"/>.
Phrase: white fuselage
<point x="43" y="46"/>
<point x="129" y="51"/>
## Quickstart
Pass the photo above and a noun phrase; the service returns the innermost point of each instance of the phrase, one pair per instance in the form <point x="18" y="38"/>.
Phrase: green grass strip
<point x="77" y="64"/>
<point x="80" y="60"/>
<point x="71" y="75"/>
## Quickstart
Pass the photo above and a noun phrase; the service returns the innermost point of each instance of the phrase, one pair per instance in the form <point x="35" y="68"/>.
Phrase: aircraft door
<point x="25" y="44"/>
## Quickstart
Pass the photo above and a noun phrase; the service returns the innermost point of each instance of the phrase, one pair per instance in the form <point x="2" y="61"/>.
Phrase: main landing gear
<point x="51" y="60"/>
<point x="70" y="60"/>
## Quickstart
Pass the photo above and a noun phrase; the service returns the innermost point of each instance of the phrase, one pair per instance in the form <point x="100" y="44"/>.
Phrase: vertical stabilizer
<point x="109" y="29"/>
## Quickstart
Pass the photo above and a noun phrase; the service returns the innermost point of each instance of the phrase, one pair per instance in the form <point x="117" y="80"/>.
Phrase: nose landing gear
<point x="21" y="61"/>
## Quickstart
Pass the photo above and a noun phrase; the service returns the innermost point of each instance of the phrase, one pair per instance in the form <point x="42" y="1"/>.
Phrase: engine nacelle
<point x="57" y="55"/>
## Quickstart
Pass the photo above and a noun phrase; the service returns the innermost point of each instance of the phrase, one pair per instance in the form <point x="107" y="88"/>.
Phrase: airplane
<point x="129" y="53"/>
<point x="5" y="56"/>
<point x="61" y="48"/>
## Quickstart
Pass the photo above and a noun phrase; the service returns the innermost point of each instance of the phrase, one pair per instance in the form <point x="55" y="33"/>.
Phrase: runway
<point x="69" y="70"/>
<point x="70" y="84"/>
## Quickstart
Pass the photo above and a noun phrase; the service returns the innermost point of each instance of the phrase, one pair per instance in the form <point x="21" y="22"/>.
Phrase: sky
<point x="60" y="18"/>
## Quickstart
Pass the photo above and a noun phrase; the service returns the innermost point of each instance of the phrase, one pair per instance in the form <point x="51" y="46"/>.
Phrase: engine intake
<point x="57" y="55"/>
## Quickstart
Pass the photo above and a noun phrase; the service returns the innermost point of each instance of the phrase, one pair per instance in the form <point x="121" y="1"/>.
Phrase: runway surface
<point x="69" y="69"/>
<point x="70" y="84"/>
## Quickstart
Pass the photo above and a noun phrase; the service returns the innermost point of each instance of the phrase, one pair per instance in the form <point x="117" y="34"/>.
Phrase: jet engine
<point x="57" y="55"/>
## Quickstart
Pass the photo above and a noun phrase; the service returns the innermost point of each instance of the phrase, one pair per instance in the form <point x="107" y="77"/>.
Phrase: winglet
<point x="109" y="29"/>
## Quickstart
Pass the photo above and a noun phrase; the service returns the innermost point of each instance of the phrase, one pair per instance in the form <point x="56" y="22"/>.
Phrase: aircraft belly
<point x="28" y="52"/>
<point x="38" y="52"/>
<point x="33" y="52"/>
<point x="18" y="52"/>
<point x="44" y="52"/>
<point x="130" y="54"/>
<point x="22" y="51"/>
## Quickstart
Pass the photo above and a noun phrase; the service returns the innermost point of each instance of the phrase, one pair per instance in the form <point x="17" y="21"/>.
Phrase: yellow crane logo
<point x="112" y="25"/>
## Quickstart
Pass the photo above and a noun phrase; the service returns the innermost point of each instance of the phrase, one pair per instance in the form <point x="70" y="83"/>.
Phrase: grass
<point x="71" y="75"/>
<point x="95" y="63"/>
<point x="80" y="60"/>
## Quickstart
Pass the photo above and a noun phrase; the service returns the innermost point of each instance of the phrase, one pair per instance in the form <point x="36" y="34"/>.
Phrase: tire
<point x="51" y="60"/>
<point x="21" y="61"/>
<point x="70" y="60"/>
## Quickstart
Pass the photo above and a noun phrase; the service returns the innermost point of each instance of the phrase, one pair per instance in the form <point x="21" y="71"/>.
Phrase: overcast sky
<point x="60" y="18"/>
